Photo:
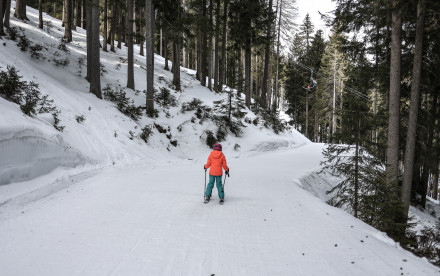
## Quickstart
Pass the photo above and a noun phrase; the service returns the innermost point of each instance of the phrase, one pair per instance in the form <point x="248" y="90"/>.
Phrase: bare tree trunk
<point x="265" y="86"/>
<point x="161" y="39"/>
<point x="2" y="14"/>
<point x="105" y="30"/>
<point x="176" y="62"/>
<point x="64" y="14"/>
<point x="78" y="13"/>
<point x="247" y="74"/>
<point x="307" y="115"/>
<point x="356" y="167"/>
<point x="222" y="65"/>
<point x="392" y="152"/>
<point x="20" y="10"/>
<point x="68" y="24"/>
<point x="95" y="76"/>
<point x="72" y="11"/>
<point x="210" y="47"/>
<point x="130" y="68"/>
<point x="40" y="14"/>
<point x="414" y="108"/>
<point x="7" y="15"/>
<point x="89" y="41"/>
<point x="84" y="14"/>
<point x="199" y="55"/>
<point x="120" y="23"/>
<point x="278" y="49"/>
<point x="149" y="15"/>
<point x="113" y="28"/>
<point x="165" y="51"/>
<point x="204" y="48"/>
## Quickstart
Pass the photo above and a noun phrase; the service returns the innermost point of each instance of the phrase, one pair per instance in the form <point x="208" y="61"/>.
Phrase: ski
<point x="206" y="200"/>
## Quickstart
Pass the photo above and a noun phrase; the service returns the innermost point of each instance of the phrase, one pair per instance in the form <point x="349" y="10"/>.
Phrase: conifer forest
<point x="366" y="84"/>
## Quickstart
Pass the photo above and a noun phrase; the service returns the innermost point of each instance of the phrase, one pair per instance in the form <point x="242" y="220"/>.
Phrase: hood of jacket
<point x="216" y="154"/>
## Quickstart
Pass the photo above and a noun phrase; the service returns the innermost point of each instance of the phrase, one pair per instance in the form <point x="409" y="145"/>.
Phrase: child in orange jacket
<point x="216" y="161"/>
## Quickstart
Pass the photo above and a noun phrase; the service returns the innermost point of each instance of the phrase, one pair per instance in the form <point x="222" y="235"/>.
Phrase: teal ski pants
<point x="218" y="180"/>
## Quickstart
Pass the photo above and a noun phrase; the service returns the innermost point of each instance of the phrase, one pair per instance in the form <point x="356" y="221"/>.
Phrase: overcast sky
<point x="312" y="7"/>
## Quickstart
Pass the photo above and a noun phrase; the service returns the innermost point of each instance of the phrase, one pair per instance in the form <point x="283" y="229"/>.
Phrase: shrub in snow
<point x="10" y="85"/>
<point x="61" y="61"/>
<point x="23" y="43"/>
<point x="236" y="147"/>
<point x="123" y="102"/>
<point x="210" y="139"/>
<point x="192" y="105"/>
<point x="63" y="45"/>
<point x="31" y="98"/>
<point x="228" y="115"/>
<point x="270" y="118"/>
<point x="147" y="131"/>
<point x="80" y="118"/>
<point x="427" y="243"/>
<point x="81" y="61"/>
<point x="14" y="32"/>
<point x="26" y="95"/>
<point x="57" y="121"/>
<point x="36" y="51"/>
<point x="48" y="26"/>
<point x="164" y="98"/>
<point x="103" y="71"/>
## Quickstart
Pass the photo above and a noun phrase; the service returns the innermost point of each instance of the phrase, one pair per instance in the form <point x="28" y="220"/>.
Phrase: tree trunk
<point x="204" y="48"/>
<point x="278" y="49"/>
<point x="40" y="14"/>
<point x="20" y="10"/>
<point x="78" y="13"/>
<point x="120" y="22"/>
<point x="222" y="65"/>
<point x="414" y="108"/>
<point x="165" y="52"/>
<point x="68" y="24"/>
<point x="7" y="14"/>
<point x="105" y="30"/>
<point x="307" y="115"/>
<point x="95" y="76"/>
<point x="113" y="28"/>
<point x="265" y="85"/>
<point x="149" y="16"/>
<point x="176" y="62"/>
<point x="84" y="14"/>
<point x="89" y="41"/>
<point x="247" y="74"/>
<point x="392" y="152"/>
<point x="356" y="167"/>
<point x="210" y="47"/>
<point x="199" y="55"/>
<point x="130" y="68"/>
<point x="2" y="14"/>
<point x="64" y="14"/>
<point x="72" y="11"/>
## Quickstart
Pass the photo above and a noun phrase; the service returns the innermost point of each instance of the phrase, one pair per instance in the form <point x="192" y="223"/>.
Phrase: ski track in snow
<point x="149" y="219"/>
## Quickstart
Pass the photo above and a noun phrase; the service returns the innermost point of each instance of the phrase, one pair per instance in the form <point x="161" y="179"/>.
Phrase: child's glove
<point x="204" y="168"/>
<point x="227" y="173"/>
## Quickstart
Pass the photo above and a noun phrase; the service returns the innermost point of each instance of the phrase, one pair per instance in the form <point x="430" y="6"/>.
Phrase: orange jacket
<point x="216" y="161"/>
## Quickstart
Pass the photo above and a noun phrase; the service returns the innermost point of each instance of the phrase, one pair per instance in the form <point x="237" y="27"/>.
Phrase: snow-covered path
<point x="151" y="220"/>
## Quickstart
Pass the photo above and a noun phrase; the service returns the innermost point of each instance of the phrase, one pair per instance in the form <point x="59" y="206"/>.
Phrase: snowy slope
<point x="91" y="201"/>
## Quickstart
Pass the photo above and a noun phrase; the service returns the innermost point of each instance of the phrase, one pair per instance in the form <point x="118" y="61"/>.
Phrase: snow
<point x="91" y="201"/>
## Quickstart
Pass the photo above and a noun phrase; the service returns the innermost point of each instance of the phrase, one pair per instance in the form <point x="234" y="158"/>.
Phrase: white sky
<point x="312" y="7"/>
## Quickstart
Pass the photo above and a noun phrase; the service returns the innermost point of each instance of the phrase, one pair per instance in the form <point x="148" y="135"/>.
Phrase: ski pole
<point x="205" y="186"/>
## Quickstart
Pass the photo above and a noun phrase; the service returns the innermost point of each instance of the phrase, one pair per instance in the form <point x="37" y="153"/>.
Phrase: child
<point x="216" y="161"/>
